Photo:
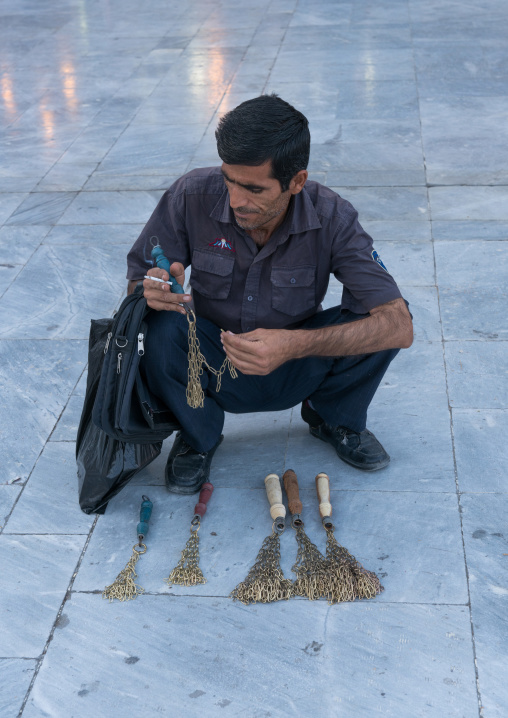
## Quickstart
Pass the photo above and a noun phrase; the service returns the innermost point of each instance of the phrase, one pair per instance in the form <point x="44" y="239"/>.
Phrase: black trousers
<point x="340" y="389"/>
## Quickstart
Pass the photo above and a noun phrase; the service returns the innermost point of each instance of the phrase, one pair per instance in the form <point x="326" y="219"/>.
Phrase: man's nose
<point x="237" y="197"/>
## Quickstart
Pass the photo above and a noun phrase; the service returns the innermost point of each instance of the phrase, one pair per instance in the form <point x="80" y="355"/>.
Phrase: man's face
<point x="254" y="195"/>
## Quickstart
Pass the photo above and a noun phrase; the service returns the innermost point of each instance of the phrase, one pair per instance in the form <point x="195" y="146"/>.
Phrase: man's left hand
<point x="259" y="352"/>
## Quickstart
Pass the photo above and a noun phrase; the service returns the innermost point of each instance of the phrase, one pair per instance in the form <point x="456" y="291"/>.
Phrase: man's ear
<point x="298" y="181"/>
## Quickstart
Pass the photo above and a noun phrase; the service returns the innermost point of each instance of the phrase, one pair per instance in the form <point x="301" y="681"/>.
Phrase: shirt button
<point x="249" y="299"/>
<point x="293" y="280"/>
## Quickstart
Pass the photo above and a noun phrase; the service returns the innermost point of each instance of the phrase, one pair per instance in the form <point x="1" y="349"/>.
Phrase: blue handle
<point x="162" y="261"/>
<point x="144" y="516"/>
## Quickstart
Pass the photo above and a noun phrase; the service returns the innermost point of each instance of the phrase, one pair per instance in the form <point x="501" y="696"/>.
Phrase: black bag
<point x="125" y="408"/>
<point x="104" y="463"/>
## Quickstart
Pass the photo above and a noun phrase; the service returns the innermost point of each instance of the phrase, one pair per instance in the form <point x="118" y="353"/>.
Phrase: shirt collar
<point x="302" y="213"/>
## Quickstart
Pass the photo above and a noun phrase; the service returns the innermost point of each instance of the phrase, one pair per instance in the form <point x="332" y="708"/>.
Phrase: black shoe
<point x="361" y="450"/>
<point x="187" y="469"/>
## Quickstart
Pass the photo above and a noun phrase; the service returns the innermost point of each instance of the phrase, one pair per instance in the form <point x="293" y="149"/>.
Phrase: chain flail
<point x="312" y="569"/>
<point x="124" y="588"/>
<point x="195" y="394"/>
<point x="265" y="581"/>
<point x="187" y="571"/>
<point x="350" y="579"/>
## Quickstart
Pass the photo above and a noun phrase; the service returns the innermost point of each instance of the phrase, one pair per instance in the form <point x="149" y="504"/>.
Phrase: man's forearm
<point x="388" y="327"/>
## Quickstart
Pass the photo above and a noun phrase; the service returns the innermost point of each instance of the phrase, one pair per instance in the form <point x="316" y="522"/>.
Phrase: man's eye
<point x="256" y="191"/>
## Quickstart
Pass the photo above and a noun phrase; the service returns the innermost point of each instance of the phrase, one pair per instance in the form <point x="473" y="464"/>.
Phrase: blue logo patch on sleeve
<point x="377" y="258"/>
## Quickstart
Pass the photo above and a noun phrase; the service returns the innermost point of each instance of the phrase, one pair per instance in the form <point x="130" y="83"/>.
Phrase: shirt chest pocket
<point x="293" y="289"/>
<point x="211" y="274"/>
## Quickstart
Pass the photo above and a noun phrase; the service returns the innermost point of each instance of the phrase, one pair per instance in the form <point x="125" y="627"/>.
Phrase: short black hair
<point x="265" y="128"/>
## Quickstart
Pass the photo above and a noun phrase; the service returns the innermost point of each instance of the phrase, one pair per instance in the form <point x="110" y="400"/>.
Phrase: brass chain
<point x="195" y="394"/>
<point x="124" y="588"/>
<point x="187" y="571"/>
<point x="351" y="580"/>
<point x="265" y="581"/>
<point x="312" y="569"/>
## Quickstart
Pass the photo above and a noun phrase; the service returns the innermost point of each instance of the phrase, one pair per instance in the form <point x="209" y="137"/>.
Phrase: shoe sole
<point x="362" y="467"/>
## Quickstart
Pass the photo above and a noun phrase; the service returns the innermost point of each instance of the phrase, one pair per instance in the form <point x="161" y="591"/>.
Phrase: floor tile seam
<point x="458" y="495"/>
<point x="98" y="592"/>
<point x="23" y="265"/>
<point x="452" y="437"/>
<point x="312" y="489"/>
<point x="18" y="658"/>
<point x="59" y="613"/>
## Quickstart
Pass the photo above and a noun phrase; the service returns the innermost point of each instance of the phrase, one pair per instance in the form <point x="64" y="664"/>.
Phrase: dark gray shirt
<point x="240" y="287"/>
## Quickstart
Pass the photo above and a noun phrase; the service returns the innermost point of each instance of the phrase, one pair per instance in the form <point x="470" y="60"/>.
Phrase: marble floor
<point x="102" y="105"/>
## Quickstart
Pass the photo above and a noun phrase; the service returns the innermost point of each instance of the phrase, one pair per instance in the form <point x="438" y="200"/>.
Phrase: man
<point x="262" y="242"/>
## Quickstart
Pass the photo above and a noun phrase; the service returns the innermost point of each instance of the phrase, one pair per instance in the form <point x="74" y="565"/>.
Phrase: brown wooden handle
<point x="274" y="493"/>
<point x="291" y="485"/>
<point x="323" y="492"/>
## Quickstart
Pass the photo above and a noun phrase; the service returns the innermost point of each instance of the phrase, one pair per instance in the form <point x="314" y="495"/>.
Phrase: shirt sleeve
<point x="366" y="281"/>
<point x="167" y="228"/>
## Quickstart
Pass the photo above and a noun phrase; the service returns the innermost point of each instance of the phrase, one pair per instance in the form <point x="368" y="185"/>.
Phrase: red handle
<point x="204" y="497"/>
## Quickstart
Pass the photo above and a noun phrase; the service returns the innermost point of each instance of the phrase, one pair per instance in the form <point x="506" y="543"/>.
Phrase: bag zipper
<point x="141" y="345"/>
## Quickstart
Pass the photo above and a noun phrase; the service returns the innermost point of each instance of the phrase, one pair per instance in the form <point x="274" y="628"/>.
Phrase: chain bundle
<point x="194" y="393"/>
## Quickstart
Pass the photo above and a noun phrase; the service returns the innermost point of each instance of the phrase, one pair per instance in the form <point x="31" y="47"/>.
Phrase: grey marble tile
<point x="8" y="274"/>
<point x="366" y="156"/>
<point x="37" y="571"/>
<point x="455" y="230"/>
<point x="472" y="280"/>
<point x="370" y="524"/>
<point x="375" y="178"/>
<point x="66" y="178"/>
<point x="419" y="658"/>
<point x="15" y="677"/>
<point x="17" y="184"/>
<point x="396" y="229"/>
<point x="36" y="379"/>
<point x="409" y="415"/>
<point x="469" y="203"/>
<point x="480" y="449"/>
<point x="8" y="496"/>
<point x="67" y="298"/>
<point x="17" y="244"/>
<point x="484" y="519"/>
<point x="423" y="304"/>
<point x="477" y="373"/>
<point x="42" y="208"/>
<point x="386" y="203"/>
<point x="474" y="312"/>
<point x="130" y="182"/>
<point x="49" y="503"/>
<point x="111" y="208"/>
<point x="9" y="201"/>
<point x="67" y="426"/>
<point x="94" y="234"/>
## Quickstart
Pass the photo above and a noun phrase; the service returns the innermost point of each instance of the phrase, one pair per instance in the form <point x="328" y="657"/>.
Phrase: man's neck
<point x="261" y="235"/>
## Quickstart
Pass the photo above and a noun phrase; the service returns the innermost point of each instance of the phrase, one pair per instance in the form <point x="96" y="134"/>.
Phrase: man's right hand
<point x="159" y="296"/>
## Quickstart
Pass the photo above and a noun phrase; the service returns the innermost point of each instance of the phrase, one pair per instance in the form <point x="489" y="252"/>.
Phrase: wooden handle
<point x="204" y="497"/>
<point x="291" y="485"/>
<point x="323" y="492"/>
<point x="274" y="493"/>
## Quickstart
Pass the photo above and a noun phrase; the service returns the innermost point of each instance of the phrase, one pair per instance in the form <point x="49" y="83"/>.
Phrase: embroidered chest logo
<point x="222" y="243"/>
<point x="377" y="258"/>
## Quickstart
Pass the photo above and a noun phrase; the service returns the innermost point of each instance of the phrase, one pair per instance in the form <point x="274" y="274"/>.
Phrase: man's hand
<point x="259" y="352"/>
<point x="159" y="296"/>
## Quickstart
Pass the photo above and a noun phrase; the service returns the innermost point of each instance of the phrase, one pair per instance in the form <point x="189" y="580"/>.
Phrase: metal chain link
<point x="187" y="571"/>
<point x="265" y="581"/>
<point x="195" y="394"/>
<point x="124" y="588"/>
